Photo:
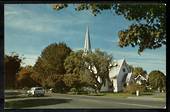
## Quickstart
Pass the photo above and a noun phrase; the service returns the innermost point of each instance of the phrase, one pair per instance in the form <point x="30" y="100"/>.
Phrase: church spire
<point x="87" y="44"/>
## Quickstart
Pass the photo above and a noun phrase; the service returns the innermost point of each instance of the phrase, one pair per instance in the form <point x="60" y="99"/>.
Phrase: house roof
<point x="140" y="77"/>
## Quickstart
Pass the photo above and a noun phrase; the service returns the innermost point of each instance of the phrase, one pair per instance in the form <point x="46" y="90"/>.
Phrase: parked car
<point x="36" y="91"/>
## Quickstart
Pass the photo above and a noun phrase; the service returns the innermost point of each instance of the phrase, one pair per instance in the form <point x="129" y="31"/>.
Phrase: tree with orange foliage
<point x="24" y="78"/>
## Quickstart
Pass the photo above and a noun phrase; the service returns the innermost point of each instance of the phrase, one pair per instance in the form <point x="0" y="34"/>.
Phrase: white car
<point x="36" y="91"/>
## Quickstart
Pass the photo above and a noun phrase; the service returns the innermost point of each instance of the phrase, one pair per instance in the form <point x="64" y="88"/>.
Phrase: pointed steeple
<point x="87" y="44"/>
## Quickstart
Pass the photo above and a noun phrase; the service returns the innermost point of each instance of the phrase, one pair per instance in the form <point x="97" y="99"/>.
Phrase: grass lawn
<point x="125" y="95"/>
<point x="118" y="95"/>
<point x="160" y="95"/>
<point x="112" y="95"/>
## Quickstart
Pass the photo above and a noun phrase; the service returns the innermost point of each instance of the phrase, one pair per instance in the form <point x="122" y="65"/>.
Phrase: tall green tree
<point x="12" y="67"/>
<point x="74" y="63"/>
<point x="77" y="75"/>
<point x="98" y="64"/>
<point x="148" y="30"/>
<point x="52" y="58"/>
<point x="157" y="79"/>
<point x="85" y="70"/>
<point x="56" y="82"/>
<point x="73" y="81"/>
<point x="51" y="64"/>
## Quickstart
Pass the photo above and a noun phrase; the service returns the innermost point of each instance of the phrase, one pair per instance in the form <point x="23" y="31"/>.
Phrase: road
<point x="64" y="101"/>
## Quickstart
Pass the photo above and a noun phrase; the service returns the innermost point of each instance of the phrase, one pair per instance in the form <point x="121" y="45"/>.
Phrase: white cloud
<point x="7" y="13"/>
<point x="27" y="24"/>
<point x="133" y="55"/>
<point x="56" y="18"/>
<point x="25" y="19"/>
<point x="30" y="59"/>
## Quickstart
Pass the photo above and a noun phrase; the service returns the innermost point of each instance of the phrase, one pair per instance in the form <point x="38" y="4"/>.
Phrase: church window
<point x="124" y="70"/>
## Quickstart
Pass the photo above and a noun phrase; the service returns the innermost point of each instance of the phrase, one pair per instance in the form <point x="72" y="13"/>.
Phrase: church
<point x="119" y="72"/>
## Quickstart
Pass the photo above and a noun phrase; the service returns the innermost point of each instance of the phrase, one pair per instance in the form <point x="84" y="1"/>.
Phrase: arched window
<point x="124" y="78"/>
<point x="124" y="70"/>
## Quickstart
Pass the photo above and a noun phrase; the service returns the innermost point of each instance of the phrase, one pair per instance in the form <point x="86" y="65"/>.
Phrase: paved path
<point x="147" y="98"/>
<point x="58" y="101"/>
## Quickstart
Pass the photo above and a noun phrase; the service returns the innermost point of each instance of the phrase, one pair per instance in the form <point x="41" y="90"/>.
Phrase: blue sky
<point x="29" y="28"/>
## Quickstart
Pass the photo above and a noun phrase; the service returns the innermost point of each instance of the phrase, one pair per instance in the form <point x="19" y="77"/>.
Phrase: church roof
<point x="117" y="64"/>
<point x="87" y="44"/>
<point x="129" y="75"/>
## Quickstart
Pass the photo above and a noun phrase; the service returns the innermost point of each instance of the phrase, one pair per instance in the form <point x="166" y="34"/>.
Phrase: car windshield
<point x="38" y="88"/>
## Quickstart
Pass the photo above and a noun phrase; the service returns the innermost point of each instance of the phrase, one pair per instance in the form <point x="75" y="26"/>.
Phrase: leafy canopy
<point x="77" y="75"/>
<point x="148" y="30"/>
<point x="24" y="78"/>
<point x="52" y="59"/>
<point x="49" y="68"/>
<point x="85" y="70"/>
<point x="157" y="79"/>
<point x="98" y="64"/>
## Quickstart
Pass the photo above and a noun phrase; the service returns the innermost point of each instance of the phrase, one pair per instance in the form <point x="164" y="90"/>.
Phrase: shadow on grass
<point x="12" y="93"/>
<point x="34" y="102"/>
<point x="13" y="97"/>
<point x="22" y="96"/>
<point x="96" y="94"/>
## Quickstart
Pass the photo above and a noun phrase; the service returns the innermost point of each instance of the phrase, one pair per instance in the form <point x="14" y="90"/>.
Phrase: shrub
<point x="73" y="90"/>
<point x="132" y="88"/>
